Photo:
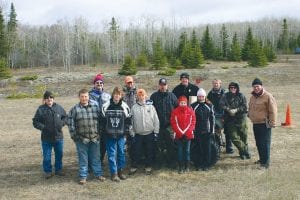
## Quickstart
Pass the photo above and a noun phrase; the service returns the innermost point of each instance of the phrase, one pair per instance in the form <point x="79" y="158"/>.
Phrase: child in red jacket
<point x="183" y="122"/>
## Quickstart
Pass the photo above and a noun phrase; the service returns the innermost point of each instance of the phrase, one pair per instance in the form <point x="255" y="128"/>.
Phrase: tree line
<point x="149" y="43"/>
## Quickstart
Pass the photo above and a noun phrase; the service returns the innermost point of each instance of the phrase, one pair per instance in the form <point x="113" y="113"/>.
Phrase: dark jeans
<point x="262" y="136"/>
<point x="47" y="151"/>
<point x="144" y="144"/>
<point x="183" y="151"/>
<point x="203" y="149"/>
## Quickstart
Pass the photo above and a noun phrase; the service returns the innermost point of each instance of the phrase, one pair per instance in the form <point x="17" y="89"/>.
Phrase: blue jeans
<point x="47" y="151"/>
<point x="262" y="136"/>
<point x="183" y="150"/>
<point x="89" y="152"/>
<point x="116" y="154"/>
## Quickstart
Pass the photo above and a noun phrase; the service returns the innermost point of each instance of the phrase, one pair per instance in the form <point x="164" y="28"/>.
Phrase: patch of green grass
<point x="29" y="77"/>
<point x="18" y="95"/>
<point x="167" y="72"/>
<point x="225" y="67"/>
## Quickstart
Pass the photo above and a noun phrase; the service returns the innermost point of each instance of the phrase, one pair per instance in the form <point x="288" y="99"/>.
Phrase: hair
<point x="117" y="90"/>
<point x="217" y="80"/>
<point x="83" y="91"/>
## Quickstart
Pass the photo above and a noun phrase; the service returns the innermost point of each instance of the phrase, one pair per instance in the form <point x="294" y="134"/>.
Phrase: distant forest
<point x="146" y="43"/>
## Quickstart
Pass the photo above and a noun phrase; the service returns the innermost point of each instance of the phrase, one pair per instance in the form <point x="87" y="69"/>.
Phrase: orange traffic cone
<point x="288" y="120"/>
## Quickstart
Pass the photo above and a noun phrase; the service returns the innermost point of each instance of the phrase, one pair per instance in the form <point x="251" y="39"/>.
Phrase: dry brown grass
<point x="21" y="176"/>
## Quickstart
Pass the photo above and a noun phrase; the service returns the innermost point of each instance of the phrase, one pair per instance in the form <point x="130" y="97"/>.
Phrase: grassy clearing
<point x="20" y="162"/>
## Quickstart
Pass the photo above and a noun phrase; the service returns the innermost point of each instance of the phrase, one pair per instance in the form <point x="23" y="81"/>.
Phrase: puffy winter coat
<point x="205" y="118"/>
<point x="183" y="122"/>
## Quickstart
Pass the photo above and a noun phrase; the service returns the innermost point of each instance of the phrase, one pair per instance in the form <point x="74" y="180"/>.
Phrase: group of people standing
<point x="156" y="130"/>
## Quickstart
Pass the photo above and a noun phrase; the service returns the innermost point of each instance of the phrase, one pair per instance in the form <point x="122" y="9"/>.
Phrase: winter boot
<point x="187" y="166"/>
<point x="121" y="175"/>
<point x="180" y="168"/>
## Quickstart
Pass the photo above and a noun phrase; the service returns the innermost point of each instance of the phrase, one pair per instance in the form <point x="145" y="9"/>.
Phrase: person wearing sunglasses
<point x="234" y="104"/>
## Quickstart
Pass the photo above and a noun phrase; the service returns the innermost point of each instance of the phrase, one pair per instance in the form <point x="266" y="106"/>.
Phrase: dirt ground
<point x="21" y="175"/>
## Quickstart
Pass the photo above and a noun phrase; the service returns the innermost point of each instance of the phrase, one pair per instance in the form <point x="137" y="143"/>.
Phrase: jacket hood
<point x="235" y="85"/>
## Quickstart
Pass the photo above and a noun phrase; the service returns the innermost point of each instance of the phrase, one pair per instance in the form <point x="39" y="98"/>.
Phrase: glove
<point x="172" y="135"/>
<point x="232" y="112"/>
<point x="155" y="137"/>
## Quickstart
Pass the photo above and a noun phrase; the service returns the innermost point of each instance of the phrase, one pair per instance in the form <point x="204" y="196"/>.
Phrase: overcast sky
<point x="39" y="12"/>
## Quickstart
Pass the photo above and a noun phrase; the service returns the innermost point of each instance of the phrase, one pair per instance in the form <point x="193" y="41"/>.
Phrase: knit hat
<point x="201" y="92"/>
<point x="98" y="77"/>
<point x="128" y="79"/>
<point x="182" y="98"/>
<point x="256" y="81"/>
<point x="48" y="94"/>
<point x="184" y="75"/>
<point x="141" y="92"/>
<point x="162" y="81"/>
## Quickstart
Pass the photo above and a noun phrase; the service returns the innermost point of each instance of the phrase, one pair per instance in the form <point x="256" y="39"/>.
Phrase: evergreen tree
<point x="3" y="46"/>
<point x="183" y="39"/>
<point x="298" y="40"/>
<point x="257" y="57"/>
<point x="196" y="57"/>
<point x="142" y="60"/>
<point x="283" y="42"/>
<point x="207" y="45"/>
<point x="247" y="45"/>
<point x="114" y="41"/>
<point x="128" y="68"/>
<point x="235" y="50"/>
<point x="269" y="51"/>
<point x="4" y="70"/>
<point x="159" y="58"/>
<point x="292" y="42"/>
<point x="224" y="42"/>
<point x="12" y="35"/>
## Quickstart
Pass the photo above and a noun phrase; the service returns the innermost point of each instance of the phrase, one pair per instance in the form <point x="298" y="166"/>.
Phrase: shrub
<point x="4" y="70"/>
<point x="167" y="72"/>
<point x="29" y="78"/>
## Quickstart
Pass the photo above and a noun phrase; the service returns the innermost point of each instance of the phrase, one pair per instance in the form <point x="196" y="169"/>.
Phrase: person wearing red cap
<point x="129" y="91"/>
<point x="183" y="122"/>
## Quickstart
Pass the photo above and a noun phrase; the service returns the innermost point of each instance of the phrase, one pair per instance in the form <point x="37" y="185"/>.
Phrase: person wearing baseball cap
<point x="129" y="91"/>
<point x="164" y="102"/>
<point x="185" y="87"/>
<point x="263" y="115"/>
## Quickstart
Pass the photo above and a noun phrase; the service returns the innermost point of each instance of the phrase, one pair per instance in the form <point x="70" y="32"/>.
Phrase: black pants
<point x="262" y="136"/>
<point x="203" y="149"/>
<point x="144" y="144"/>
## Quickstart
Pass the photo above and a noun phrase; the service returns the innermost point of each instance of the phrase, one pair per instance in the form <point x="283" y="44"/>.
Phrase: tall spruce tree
<point x="269" y="51"/>
<point x="224" y="42"/>
<point x="248" y="44"/>
<point x="114" y="41"/>
<point x="235" y="50"/>
<point x="183" y="39"/>
<point x="12" y="35"/>
<point x="129" y="67"/>
<point x="207" y="45"/>
<point x="283" y="42"/>
<point x="196" y="55"/>
<point x="257" y="57"/>
<point x="3" y="45"/>
<point x="159" y="58"/>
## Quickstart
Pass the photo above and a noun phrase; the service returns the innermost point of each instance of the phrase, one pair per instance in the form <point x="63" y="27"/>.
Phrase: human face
<point x="98" y="85"/>
<point x="216" y="84"/>
<point x="182" y="103"/>
<point x="84" y="99"/>
<point x="257" y="88"/>
<point x="116" y="98"/>
<point x="163" y="87"/>
<point x="201" y="98"/>
<point x="49" y="101"/>
<point x="184" y="81"/>
<point x="233" y="89"/>
<point x="141" y="98"/>
<point x="129" y="84"/>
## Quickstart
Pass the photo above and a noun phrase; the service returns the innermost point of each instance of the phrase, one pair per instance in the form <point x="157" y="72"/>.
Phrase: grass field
<point x="21" y="175"/>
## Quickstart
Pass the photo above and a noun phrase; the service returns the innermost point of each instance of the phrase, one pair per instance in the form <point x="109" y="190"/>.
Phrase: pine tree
<point x="114" y="41"/>
<point x="183" y="39"/>
<point x="159" y="58"/>
<point x="207" y="45"/>
<point x="269" y="51"/>
<point x="128" y="68"/>
<point x="235" y="50"/>
<point x="196" y="54"/>
<point x="224" y="42"/>
<point x="257" y="57"/>
<point x="247" y="45"/>
<point x="12" y="35"/>
<point x="283" y="42"/>
<point x="3" y="45"/>
<point x="142" y="60"/>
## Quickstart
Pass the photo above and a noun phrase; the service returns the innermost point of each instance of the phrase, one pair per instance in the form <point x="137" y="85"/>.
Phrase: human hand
<point x="232" y="112"/>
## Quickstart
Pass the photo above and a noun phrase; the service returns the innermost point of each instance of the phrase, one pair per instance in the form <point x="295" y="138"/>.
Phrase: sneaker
<point x="148" y="170"/>
<point x="101" y="178"/>
<point x="115" y="178"/>
<point x="60" y="173"/>
<point x="82" y="181"/>
<point x="48" y="175"/>
<point x="132" y="170"/>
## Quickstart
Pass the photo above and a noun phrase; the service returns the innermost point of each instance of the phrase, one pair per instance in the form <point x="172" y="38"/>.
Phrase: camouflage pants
<point x="238" y="135"/>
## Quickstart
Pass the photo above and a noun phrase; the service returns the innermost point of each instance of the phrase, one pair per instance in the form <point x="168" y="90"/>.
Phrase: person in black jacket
<point x="164" y="102"/>
<point x="50" y="118"/>
<point x="185" y="88"/>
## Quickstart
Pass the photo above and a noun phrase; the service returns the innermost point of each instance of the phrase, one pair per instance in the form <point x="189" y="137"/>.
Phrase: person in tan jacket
<point x="263" y="113"/>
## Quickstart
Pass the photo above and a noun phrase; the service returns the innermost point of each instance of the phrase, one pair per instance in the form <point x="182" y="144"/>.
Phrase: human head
<point x="257" y="85"/>
<point x="163" y="85"/>
<point x="184" y="78"/>
<point x="98" y="82"/>
<point x="216" y="84"/>
<point x="48" y="98"/>
<point x="201" y="95"/>
<point x="117" y="94"/>
<point x="129" y="81"/>
<point x="141" y="94"/>
<point x="83" y="95"/>
<point x="182" y="101"/>
<point x="233" y="87"/>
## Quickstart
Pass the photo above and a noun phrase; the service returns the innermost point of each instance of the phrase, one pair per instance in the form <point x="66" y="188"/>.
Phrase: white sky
<point x="192" y="12"/>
